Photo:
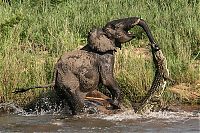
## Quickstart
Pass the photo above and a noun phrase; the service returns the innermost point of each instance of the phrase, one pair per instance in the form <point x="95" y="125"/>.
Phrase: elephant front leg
<point x="114" y="89"/>
<point x="107" y="78"/>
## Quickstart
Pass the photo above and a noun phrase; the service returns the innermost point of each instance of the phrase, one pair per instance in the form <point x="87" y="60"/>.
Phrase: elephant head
<point x="116" y="32"/>
<point x="119" y="29"/>
<point x="98" y="41"/>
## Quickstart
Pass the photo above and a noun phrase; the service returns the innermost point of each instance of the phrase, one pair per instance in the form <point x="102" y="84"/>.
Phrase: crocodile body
<point x="160" y="79"/>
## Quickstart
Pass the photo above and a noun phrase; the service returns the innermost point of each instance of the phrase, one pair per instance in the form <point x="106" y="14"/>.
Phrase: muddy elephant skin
<point x="82" y="71"/>
<point x="79" y="72"/>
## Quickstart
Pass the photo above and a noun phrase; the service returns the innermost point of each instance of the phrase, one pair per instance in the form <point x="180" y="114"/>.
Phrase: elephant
<point x="81" y="71"/>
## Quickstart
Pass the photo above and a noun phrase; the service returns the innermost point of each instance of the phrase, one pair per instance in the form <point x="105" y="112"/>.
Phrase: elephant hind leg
<point x="75" y="103"/>
<point x="66" y="85"/>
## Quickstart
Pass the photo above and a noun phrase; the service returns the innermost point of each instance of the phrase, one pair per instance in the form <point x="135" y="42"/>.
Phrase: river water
<point x="125" y="122"/>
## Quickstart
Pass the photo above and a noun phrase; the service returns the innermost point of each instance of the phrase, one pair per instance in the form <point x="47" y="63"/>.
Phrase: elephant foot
<point x="115" y="104"/>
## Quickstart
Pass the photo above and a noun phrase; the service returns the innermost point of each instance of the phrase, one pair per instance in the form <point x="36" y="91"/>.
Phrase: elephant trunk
<point x="145" y="27"/>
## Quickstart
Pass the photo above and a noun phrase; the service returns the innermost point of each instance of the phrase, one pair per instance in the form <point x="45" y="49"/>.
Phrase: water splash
<point x="10" y="108"/>
<point x="127" y="115"/>
<point x="45" y="108"/>
<point x="165" y="115"/>
<point x="42" y="120"/>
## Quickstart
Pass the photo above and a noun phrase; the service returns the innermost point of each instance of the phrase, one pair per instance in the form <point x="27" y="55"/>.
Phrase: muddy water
<point x="126" y="122"/>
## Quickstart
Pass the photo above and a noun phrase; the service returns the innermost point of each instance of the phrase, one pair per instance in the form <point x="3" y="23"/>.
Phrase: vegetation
<point x="34" y="33"/>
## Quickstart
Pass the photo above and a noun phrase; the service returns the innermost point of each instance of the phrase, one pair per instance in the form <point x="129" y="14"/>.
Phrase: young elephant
<point x="81" y="71"/>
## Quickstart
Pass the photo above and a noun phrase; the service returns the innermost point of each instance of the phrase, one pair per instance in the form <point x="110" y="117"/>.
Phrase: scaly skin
<point x="160" y="79"/>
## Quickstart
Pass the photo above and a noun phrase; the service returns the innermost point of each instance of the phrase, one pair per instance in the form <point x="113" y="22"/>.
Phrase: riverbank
<point x="176" y="97"/>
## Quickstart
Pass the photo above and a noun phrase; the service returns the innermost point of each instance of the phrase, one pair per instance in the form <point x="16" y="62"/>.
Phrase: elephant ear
<point x="99" y="42"/>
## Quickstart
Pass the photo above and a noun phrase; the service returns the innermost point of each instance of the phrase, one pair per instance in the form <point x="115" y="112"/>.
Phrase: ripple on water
<point x="126" y="121"/>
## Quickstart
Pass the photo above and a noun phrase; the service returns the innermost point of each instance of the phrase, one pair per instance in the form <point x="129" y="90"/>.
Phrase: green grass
<point x="34" y="33"/>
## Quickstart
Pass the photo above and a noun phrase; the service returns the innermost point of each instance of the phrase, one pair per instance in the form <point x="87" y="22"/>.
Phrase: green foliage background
<point x="34" y="33"/>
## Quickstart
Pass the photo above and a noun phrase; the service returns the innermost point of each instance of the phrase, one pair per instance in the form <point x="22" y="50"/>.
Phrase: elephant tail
<point x="52" y="84"/>
<point x="21" y="90"/>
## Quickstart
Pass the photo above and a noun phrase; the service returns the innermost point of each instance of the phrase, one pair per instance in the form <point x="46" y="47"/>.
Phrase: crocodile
<point x="160" y="78"/>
